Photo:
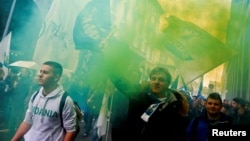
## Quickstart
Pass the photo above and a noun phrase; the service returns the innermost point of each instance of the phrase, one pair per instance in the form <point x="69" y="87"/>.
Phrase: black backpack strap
<point x="34" y="96"/>
<point x="62" y="103"/>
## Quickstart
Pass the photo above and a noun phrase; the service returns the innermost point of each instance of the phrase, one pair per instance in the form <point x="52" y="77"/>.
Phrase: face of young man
<point x="213" y="106"/>
<point x="234" y="105"/>
<point x="46" y="76"/>
<point x="158" y="84"/>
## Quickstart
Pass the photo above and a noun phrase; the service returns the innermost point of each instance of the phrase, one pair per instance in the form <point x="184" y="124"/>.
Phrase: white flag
<point x="56" y="41"/>
<point x="101" y="123"/>
<point x="5" y="51"/>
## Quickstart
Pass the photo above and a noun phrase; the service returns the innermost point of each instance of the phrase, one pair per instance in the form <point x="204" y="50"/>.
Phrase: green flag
<point x="194" y="51"/>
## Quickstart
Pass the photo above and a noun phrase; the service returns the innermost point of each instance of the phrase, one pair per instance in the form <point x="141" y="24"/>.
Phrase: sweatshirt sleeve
<point x="69" y="115"/>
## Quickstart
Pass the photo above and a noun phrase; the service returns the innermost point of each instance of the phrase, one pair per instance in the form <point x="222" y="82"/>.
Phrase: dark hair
<point x="161" y="70"/>
<point x="240" y="101"/>
<point x="57" y="68"/>
<point x="216" y="96"/>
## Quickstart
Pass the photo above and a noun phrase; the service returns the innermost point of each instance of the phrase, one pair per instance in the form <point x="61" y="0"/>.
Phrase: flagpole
<point x="201" y="86"/>
<point x="9" y="19"/>
<point x="109" y="117"/>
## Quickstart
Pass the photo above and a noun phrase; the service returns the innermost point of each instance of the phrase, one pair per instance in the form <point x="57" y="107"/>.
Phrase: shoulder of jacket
<point x="177" y="94"/>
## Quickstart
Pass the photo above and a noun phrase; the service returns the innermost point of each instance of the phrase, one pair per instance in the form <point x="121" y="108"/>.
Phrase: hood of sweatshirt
<point x="58" y="91"/>
<point x="42" y="101"/>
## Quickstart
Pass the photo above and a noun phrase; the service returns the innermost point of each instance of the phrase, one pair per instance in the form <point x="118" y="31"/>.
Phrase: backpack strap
<point x="34" y="96"/>
<point x="62" y="103"/>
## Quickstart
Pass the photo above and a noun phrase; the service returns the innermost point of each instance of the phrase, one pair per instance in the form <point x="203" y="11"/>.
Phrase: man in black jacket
<point x="155" y="113"/>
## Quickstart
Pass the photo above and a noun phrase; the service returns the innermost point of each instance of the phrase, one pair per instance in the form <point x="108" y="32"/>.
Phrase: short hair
<point x="161" y="70"/>
<point x="240" y="101"/>
<point x="57" y="68"/>
<point x="215" y="96"/>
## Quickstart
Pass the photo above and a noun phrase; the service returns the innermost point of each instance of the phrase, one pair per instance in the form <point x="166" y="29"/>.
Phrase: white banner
<point x="56" y="41"/>
<point x="5" y="51"/>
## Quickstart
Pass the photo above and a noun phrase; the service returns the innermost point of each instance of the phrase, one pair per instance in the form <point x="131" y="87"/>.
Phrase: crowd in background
<point x="16" y="87"/>
<point x="20" y="83"/>
<point x="237" y="108"/>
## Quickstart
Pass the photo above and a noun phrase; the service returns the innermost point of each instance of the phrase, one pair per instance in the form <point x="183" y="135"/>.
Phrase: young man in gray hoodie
<point x="43" y="120"/>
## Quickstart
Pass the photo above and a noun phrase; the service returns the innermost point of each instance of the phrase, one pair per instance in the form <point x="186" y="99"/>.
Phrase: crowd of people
<point x="15" y="87"/>
<point x="140" y="111"/>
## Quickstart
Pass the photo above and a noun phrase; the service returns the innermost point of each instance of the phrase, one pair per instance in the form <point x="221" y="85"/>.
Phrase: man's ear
<point x="57" y="77"/>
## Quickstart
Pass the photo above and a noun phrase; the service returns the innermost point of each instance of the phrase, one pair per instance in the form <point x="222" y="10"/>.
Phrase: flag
<point x="103" y="118"/>
<point x="174" y="85"/>
<point x="92" y="25"/>
<point x="193" y="50"/>
<point x="43" y="6"/>
<point x="200" y="87"/>
<point x="56" y="40"/>
<point x="5" y="51"/>
<point x="184" y="86"/>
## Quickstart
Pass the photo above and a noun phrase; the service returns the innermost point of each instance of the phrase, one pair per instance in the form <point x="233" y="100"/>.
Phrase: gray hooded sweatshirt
<point x="43" y="114"/>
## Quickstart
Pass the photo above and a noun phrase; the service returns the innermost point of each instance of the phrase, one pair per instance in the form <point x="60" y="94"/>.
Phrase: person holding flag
<point x="154" y="112"/>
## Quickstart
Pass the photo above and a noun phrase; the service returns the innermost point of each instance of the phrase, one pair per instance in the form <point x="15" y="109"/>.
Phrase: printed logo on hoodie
<point x="44" y="112"/>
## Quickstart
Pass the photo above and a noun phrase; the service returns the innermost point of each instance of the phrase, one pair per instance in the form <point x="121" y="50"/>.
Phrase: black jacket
<point x="166" y="123"/>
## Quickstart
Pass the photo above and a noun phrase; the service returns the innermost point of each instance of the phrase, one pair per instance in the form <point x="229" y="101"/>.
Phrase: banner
<point x="92" y="25"/>
<point x="174" y="85"/>
<point x="193" y="50"/>
<point x="56" y="39"/>
<point x="103" y="120"/>
<point x="200" y="87"/>
<point x="5" y="51"/>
